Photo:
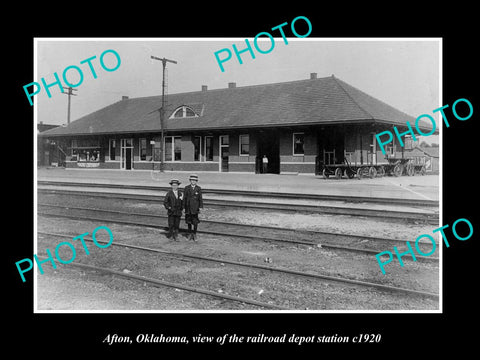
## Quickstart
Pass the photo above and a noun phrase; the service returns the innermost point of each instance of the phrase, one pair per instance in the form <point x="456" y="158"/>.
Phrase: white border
<point x="307" y="39"/>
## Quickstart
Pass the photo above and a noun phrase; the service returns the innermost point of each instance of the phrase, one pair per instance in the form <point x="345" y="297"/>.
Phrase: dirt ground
<point x="75" y="289"/>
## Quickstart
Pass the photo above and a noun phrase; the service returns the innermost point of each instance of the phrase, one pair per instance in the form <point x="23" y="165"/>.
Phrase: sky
<point x="404" y="73"/>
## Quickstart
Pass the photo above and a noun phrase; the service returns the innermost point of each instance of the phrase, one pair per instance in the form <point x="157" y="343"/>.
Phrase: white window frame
<point x="220" y="146"/>
<point x="293" y="143"/>
<point x="109" y="146"/>
<point x="373" y="149"/>
<point x="182" y="108"/>
<point x="123" y="145"/>
<point x="205" y="148"/>
<point x="240" y="144"/>
<point x="140" y="149"/>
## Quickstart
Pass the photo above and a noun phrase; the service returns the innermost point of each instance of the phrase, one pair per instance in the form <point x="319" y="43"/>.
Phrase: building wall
<point x="361" y="145"/>
<point x="239" y="167"/>
<point x="242" y="163"/>
<point x="189" y="166"/>
<point x="353" y="141"/>
<point x="237" y="163"/>
<point x="297" y="163"/>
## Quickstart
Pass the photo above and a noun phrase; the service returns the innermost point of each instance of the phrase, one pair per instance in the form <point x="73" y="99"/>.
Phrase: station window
<point x="208" y="148"/>
<point x="143" y="149"/>
<point x="111" y="149"/>
<point x="168" y="148"/>
<point x="298" y="142"/>
<point x="86" y="155"/>
<point x="177" y="148"/>
<point x="197" y="145"/>
<point x="87" y="150"/>
<point x="244" y="142"/>
<point x="173" y="148"/>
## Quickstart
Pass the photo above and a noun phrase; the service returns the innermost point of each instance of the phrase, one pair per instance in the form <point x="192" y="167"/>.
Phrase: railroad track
<point x="336" y="279"/>
<point x="403" y="216"/>
<point x="157" y="282"/>
<point x="380" y="242"/>
<point x="282" y="195"/>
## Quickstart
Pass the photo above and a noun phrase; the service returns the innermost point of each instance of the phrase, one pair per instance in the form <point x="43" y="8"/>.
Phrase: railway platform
<point x="403" y="187"/>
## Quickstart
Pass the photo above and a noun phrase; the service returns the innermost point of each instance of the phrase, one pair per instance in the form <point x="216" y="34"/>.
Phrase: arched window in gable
<point x="183" y="112"/>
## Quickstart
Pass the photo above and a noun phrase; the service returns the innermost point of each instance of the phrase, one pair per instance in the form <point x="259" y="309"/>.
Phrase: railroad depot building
<point x="298" y="125"/>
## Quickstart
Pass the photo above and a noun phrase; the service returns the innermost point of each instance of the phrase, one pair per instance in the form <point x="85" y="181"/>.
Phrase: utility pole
<point x="162" y="110"/>
<point x="69" y="93"/>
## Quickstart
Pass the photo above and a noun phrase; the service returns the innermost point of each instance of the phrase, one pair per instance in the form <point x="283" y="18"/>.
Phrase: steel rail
<point x="311" y="232"/>
<point x="219" y="233"/>
<point x="278" y="269"/>
<point x="176" y="286"/>
<point x="385" y="214"/>
<point x="354" y="199"/>
<point x="244" y="236"/>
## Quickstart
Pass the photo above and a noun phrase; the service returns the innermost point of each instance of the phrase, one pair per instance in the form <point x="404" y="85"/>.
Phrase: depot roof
<point x="327" y="100"/>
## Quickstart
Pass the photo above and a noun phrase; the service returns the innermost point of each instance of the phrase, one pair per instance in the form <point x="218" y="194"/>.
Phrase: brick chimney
<point x="124" y="97"/>
<point x="204" y="87"/>
<point x="232" y="85"/>
<point x="313" y="76"/>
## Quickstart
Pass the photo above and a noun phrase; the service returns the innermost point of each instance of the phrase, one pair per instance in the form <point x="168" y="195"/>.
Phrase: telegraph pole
<point x="162" y="110"/>
<point x="69" y="93"/>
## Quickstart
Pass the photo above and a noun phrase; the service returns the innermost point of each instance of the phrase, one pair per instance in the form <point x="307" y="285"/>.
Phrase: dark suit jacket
<point x="172" y="204"/>
<point x="193" y="199"/>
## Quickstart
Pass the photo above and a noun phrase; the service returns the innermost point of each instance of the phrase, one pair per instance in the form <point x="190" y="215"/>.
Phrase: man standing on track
<point x="193" y="204"/>
<point x="173" y="202"/>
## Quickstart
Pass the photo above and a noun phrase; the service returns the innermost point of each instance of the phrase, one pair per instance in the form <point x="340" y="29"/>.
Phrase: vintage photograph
<point x="295" y="180"/>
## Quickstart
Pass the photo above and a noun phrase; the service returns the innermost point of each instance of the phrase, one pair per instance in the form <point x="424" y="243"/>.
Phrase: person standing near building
<point x="264" y="164"/>
<point x="193" y="204"/>
<point x="174" y="202"/>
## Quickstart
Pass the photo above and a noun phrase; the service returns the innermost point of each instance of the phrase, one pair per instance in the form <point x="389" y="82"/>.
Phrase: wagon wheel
<point x="325" y="174"/>
<point x="423" y="170"/>
<point x="398" y="170"/>
<point x="372" y="172"/>
<point x="381" y="171"/>
<point x="338" y="173"/>
<point x="362" y="172"/>
<point x="359" y="173"/>
<point x="349" y="173"/>
<point x="410" y="170"/>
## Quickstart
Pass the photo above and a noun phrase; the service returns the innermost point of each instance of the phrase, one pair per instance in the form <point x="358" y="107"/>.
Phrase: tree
<point x="424" y="144"/>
